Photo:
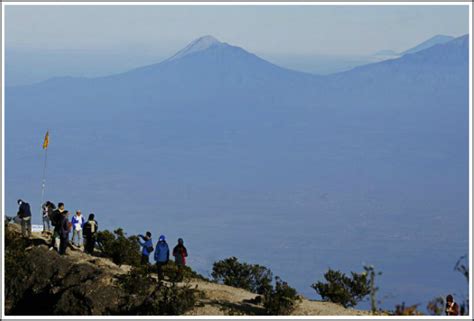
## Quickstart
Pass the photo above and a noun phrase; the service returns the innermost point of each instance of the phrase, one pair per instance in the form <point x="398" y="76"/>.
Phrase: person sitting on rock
<point x="90" y="231"/>
<point x="162" y="256"/>
<point x="147" y="247"/>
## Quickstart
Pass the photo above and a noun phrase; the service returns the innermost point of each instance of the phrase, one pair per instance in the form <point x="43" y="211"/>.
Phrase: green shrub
<point x="137" y="281"/>
<point x="401" y="309"/>
<point x="145" y="296"/>
<point x="170" y="270"/>
<point x="252" y="277"/>
<point x="342" y="289"/>
<point x="280" y="300"/>
<point x="436" y="306"/>
<point x="120" y="248"/>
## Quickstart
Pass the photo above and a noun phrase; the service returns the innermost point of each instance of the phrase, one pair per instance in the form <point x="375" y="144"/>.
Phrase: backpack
<point x="87" y="229"/>
<point x="150" y="248"/>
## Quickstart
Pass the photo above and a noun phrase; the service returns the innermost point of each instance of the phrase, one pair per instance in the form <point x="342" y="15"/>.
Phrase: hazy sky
<point x="259" y="29"/>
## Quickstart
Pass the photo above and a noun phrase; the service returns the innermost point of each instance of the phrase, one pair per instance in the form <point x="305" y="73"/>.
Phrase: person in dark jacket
<point x="64" y="228"/>
<point x="48" y="209"/>
<point x="180" y="253"/>
<point x="452" y="308"/>
<point x="56" y="218"/>
<point x="147" y="247"/>
<point x="24" y="213"/>
<point x="89" y="233"/>
<point x="162" y="256"/>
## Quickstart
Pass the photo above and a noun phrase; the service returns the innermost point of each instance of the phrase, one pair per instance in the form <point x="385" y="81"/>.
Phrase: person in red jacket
<point x="452" y="308"/>
<point x="180" y="253"/>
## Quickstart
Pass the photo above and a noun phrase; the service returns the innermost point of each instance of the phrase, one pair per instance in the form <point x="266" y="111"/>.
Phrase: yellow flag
<point x="46" y="140"/>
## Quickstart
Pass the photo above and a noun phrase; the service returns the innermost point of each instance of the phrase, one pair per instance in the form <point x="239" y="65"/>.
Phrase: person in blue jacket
<point x="147" y="247"/>
<point x="162" y="256"/>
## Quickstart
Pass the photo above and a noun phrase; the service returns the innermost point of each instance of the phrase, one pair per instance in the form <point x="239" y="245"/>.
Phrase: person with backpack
<point x="64" y="229"/>
<point x="56" y="218"/>
<point x="147" y="247"/>
<point x="48" y="209"/>
<point x="452" y="308"/>
<point x="24" y="213"/>
<point x="90" y="231"/>
<point x="180" y="253"/>
<point x="77" y="222"/>
<point x="162" y="256"/>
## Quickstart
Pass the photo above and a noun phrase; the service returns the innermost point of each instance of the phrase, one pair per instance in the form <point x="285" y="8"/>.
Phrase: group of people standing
<point x="86" y="230"/>
<point x="58" y="217"/>
<point x="81" y="229"/>
<point x="162" y="253"/>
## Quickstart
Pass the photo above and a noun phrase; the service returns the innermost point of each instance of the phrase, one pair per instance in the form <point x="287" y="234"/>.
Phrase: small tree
<point x="370" y="270"/>
<point x="144" y="296"/>
<point x="339" y="288"/>
<point x="436" y="306"/>
<point x="252" y="277"/>
<point x="120" y="248"/>
<point x="280" y="300"/>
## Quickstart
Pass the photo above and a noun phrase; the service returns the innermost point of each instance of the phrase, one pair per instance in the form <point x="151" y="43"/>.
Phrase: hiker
<point x="452" y="308"/>
<point x="24" y="213"/>
<point x="56" y="218"/>
<point x="64" y="229"/>
<point x="180" y="253"/>
<point x="78" y="222"/>
<point x="147" y="247"/>
<point x="162" y="255"/>
<point x="89" y="231"/>
<point x="48" y="209"/>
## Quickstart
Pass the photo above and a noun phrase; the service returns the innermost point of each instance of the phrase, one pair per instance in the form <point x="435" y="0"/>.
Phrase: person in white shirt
<point x="77" y="225"/>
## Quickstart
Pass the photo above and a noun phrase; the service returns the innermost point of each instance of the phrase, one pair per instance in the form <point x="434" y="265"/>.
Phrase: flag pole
<point x="43" y="185"/>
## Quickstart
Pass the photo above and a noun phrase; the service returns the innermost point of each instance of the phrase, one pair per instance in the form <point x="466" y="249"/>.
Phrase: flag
<point x="46" y="140"/>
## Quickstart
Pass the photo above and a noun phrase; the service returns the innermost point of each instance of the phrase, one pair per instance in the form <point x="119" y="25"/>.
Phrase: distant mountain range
<point x="27" y="66"/>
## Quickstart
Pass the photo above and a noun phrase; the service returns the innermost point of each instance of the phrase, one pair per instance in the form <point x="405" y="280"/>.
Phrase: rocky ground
<point x="56" y="283"/>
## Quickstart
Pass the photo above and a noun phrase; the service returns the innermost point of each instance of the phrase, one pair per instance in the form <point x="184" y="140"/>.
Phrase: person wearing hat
<point x="162" y="256"/>
<point x="24" y="213"/>
<point x="452" y="308"/>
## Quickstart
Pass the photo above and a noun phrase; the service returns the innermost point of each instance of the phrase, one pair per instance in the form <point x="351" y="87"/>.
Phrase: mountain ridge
<point x="208" y="42"/>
